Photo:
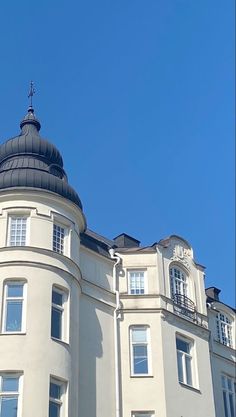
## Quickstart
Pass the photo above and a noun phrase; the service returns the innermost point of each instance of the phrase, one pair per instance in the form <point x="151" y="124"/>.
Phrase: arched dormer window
<point x="179" y="288"/>
<point x="224" y="329"/>
<point x="178" y="282"/>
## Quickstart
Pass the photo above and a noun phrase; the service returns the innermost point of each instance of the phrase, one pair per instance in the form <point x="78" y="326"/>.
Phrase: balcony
<point x="184" y="306"/>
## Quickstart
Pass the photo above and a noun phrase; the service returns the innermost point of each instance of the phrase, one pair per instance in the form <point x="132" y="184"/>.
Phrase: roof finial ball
<point x="30" y="96"/>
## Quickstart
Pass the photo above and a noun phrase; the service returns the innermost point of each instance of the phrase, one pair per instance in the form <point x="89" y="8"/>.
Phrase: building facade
<point x="93" y="327"/>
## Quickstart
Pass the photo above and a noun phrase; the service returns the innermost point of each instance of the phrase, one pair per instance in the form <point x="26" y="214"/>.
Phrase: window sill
<point x="63" y="342"/>
<point x="189" y="387"/>
<point x="141" y="376"/>
<point x="12" y="333"/>
<point x="222" y="344"/>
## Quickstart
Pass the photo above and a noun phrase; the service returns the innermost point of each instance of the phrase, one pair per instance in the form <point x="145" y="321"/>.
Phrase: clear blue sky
<point x="138" y="95"/>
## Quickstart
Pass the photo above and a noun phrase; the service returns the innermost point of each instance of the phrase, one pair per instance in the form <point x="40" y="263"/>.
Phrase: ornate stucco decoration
<point x="181" y="254"/>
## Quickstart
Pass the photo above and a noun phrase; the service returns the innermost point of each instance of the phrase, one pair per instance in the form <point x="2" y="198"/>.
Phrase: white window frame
<point x="13" y="394"/>
<point x="63" y="394"/>
<point x="12" y="216"/>
<point x="54" y="248"/>
<point x="147" y="344"/>
<point x="178" y="285"/>
<point x="228" y="405"/>
<point x="185" y="356"/>
<point x="6" y="299"/>
<point x="224" y="329"/>
<point x="137" y="288"/>
<point x="64" y="308"/>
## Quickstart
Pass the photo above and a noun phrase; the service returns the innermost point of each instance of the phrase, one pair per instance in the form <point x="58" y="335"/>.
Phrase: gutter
<point x="116" y="317"/>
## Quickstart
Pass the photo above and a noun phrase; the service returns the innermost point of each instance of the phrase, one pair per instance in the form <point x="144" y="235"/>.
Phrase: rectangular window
<point x="228" y="389"/>
<point x="57" y="392"/>
<point x="224" y="329"/>
<point x="139" y="350"/>
<point x="136" y="282"/>
<point x="59" y="298"/>
<point x="9" y="395"/>
<point x="55" y="399"/>
<point x="17" y="230"/>
<point x="184" y="361"/>
<point x="58" y="238"/>
<point x="14" y="303"/>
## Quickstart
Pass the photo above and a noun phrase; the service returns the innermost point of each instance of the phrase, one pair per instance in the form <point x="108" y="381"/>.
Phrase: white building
<point x="222" y="350"/>
<point x="92" y="327"/>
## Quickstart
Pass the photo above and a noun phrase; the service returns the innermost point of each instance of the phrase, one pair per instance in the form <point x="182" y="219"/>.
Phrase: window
<point x="9" y="395"/>
<point x="228" y="388"/>
<point x="184" y="361"/>
<point x="56" y="393"/>
<point x="136" y="282"/>
<point x="14" y="303"/>
<point x="224" y="329"/>
<point x="139" y="350"/>
<point x="178" y="282"/>
<point x="59" y="298"/>
<point x="17" y="230"/>
<point x="58" y="238"/>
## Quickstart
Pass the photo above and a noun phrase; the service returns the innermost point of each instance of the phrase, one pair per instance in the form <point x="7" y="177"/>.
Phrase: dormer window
<point x="224" y="329"/>
<point x="182" y="304"/>
<point x="178" y="282"/>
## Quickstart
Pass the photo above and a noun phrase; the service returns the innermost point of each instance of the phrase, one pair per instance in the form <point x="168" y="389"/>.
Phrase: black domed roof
<point x="28" y="160"/>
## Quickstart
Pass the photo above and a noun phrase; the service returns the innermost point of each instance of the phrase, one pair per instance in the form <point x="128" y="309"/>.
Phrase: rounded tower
<point x="41" y="220"/>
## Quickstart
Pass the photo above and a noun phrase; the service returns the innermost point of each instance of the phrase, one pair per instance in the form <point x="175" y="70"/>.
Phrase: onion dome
<point x="29" y="161"/>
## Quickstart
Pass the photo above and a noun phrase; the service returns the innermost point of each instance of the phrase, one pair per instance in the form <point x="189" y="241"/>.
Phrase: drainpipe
<point x="116" y="317"/>
<point x="163" y="273"/>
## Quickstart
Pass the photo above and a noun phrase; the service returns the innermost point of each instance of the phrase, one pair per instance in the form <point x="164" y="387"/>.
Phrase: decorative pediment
<point x="182" y="254"/>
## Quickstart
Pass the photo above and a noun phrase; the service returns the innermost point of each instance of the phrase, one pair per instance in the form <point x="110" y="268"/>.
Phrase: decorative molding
<point x="183" y="255"/>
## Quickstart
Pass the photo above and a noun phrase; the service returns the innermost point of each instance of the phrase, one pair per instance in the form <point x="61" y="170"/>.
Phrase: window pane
<point x="8" y="406"/>
<point x="182" y="345"/>
<point x="188" y="370"/>
<point x="139" y="335"/>
<point x="54" y="409"/>
<point x="13" y="316"/>
<point x="180" y="366"/>
<point x="57" y="298"/>
<point x="56" y="322"/>
<point x="230" y="388"/>
<point x="231" y="405"/>
<point x="225" y="404"/>
<point x="14" y="290"/>
<point x="10" y="384"/>
<point x="140" y="359"/>
<point x="58" y="238"/>
<point x="223" y="381"/>
<point x="55" y="391"/>
<point x="18" y="231"/>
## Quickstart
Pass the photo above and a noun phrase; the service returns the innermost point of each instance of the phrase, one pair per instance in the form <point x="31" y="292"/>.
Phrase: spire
<point x="30" y="118"/>
<point x="31" y="93"/>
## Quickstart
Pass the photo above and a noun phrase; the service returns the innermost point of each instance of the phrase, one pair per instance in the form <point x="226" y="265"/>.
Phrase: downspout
<point x="163" y="273"/>
<point x="116" y="316"/>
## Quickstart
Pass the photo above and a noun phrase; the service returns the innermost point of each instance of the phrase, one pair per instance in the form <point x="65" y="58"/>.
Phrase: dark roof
<point x="29" y="161"/>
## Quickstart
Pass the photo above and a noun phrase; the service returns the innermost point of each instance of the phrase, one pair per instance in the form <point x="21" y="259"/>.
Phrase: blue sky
<point x="139" y="98"/>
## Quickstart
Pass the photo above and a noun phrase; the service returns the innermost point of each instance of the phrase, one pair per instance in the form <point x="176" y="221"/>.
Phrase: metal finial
<point x="31" y="93"/>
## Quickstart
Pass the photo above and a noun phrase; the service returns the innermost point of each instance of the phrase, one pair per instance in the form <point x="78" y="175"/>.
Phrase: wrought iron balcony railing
<point x="184" y="306"/>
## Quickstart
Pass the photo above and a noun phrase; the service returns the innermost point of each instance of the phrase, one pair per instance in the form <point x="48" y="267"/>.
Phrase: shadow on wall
<point x="90" y="349"/>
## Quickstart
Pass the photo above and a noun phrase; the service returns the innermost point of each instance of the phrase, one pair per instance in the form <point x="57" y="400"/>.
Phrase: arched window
<point x="178" y="282"/>
<point x="224" y="329"/>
